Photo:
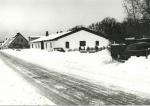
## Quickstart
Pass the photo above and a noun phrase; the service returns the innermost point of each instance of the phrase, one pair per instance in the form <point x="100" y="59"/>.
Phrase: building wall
<point x="74" y="40"/>
<point x="19" y="42"/>
<point x="1" y="45"/>
<point x="49" y="45"/>
<point x="36" y="45"/>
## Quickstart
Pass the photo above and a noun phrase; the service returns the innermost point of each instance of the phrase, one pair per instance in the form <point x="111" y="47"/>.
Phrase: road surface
<point x="67" y="90"/>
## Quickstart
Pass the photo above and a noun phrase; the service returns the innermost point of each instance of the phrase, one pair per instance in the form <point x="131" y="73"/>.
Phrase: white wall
<point x="45" y="47"/>
<point x="36" y="45"/>
<point x="74" y="40"/>
<point x="50" y="45"/>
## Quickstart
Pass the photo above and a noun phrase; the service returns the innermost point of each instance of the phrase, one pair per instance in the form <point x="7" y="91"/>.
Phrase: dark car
<point x="136" y="49"/>
<point x="59" y="49"/>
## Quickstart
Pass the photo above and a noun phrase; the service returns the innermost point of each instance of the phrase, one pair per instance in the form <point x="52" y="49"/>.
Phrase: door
<point x="42" y="45"/>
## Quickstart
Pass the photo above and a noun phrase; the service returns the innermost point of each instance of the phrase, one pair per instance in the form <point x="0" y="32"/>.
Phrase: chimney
<point x="18" y="33"/>
<point x="47" y="33"/>
<point x="29" y="38"/>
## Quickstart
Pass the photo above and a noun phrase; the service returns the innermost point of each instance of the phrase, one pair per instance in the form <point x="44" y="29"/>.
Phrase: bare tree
<point x="75" y="28"/>
<point x="110" y="27"/>
<point x="137" y="9"/>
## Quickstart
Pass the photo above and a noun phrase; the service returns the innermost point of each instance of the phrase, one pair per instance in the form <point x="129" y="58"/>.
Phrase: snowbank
<point x="133" y="75"/>
<point x="14" y="90"/>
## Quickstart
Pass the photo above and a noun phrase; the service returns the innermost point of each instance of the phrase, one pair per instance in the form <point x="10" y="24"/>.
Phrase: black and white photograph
<point x="74" y="52"/>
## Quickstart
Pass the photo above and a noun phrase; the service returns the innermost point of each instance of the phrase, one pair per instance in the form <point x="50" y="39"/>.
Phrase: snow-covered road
<point x="67" y="90"/>
<point x="14" y="90"/>
<point x="132" y="76"/>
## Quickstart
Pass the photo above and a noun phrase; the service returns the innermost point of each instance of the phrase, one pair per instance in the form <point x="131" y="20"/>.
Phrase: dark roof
<point x="19" y="34"/>
<point x="82" y="28"/>
<point x="9" y="41"/>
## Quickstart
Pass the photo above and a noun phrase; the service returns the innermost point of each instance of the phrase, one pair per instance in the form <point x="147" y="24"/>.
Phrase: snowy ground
<point x="133" y="75"/>
<point x="14" y="90"/>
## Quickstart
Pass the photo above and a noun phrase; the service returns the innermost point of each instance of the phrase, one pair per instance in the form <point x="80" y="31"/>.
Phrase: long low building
<point x="82" y="38"/>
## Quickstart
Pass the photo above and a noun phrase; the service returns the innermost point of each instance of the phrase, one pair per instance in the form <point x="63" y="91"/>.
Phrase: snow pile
<point x="136" y="73"/>
<point x="61" y="61"/>
<point x="98" y="67"/>
<point x="15" y="90"/>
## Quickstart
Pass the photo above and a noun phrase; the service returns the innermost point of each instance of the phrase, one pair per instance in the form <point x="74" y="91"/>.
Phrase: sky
<point x="34" y="17"/>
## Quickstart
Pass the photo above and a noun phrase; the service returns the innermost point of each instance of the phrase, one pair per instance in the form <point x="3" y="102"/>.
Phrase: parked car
<point x="136" y="49"/>
<point x="117" y="50"/>
<point x="59" y="49"/>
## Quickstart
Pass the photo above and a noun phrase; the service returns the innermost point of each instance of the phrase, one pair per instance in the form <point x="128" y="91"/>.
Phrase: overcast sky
<point x="34" y="17"/>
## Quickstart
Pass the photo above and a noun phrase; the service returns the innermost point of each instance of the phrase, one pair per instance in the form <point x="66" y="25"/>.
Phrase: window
<point x="21" y="40"/>
<point x="67" y="44"/>
<point x="82" y="43"/>
<point x="50" y="44"/>
<point x="46" y="45"/>
<point x="32" y="45"/>
<point x="97" y="43"/>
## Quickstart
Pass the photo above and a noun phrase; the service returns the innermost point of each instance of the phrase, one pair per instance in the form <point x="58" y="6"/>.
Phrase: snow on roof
<point x="63" y="34"/>
<point x="40" y="39"/>
<point x="143" y="38"/>
<point x="50" y="37"/>
<point x="36" y="36"/>
<point x="116" y="44"/>
<point x="8" y="41"/>
<point x="132" y="38"/>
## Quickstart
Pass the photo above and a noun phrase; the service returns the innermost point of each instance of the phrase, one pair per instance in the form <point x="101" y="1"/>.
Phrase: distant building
<point x="18" y="41"/>
<point x="31" y="38"/>
<point x="1" y="42"/>
<point x="82" y="38"/>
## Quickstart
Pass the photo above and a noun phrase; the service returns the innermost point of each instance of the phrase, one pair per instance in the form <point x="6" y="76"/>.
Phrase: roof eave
<point x="83" y="28"/>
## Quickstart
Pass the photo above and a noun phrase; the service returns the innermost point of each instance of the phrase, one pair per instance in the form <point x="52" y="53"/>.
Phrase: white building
<point x="81" y="38"/>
